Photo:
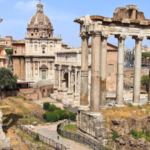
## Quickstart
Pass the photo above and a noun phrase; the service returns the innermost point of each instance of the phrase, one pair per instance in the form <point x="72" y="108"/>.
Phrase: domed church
<point x="37" y="52"/>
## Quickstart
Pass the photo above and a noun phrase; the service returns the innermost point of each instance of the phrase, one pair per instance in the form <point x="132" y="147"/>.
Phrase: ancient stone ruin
<point x="125" y="22"/>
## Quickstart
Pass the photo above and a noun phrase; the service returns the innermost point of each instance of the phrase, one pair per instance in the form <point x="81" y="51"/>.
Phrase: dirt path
<point x="50" y="132"/>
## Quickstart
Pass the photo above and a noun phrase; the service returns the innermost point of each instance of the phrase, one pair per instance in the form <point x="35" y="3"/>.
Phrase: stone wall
<point x="124" y="126"/>
<point x="36" y="93"/>
<point x="5" y="94"/>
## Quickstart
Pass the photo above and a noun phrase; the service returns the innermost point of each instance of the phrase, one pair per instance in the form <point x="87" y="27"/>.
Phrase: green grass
<point x="140" y="134"/>
<point x="19" y="96"/>
<point x="70" y="128"/>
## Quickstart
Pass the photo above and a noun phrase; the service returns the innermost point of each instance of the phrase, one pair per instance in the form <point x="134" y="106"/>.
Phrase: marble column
<point x="76" y="80"/>
<point x="84" y="72"/>
<point x="55" y="77"/>
<point x="26" y="69"/>
<point x="103" y="70"/>
<point x="120" y="71"/>
<point x="59" y="77"/>
<point x="69" y="79"/>
<point x="95" y="73"/>
<point x="137" y="70"/>
<point x="149" y="81"/>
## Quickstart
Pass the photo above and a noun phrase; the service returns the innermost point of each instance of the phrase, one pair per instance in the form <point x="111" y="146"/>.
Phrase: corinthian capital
<point x="139" y="38"/>
<point x="84" y="35"/>
<point x="121" y="36"/>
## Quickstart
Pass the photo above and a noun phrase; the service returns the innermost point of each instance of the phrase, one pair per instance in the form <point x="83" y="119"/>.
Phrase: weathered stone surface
<point x="124" y="126"/>
<point x="126" y="142"/>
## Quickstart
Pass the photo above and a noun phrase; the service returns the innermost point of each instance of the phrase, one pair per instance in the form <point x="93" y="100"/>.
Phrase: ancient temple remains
<point x="126" y="22"/>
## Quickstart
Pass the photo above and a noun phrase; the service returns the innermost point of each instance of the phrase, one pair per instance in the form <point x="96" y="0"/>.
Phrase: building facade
<point x="38" y="49"/>
<point x="68" y="73"/>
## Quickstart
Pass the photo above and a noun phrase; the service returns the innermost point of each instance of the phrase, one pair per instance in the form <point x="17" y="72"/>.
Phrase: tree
<point x="145" y="81"/>
<point x="144" y="54"/>
<point x="8" y="81"/>
<point x="9" y="52"/>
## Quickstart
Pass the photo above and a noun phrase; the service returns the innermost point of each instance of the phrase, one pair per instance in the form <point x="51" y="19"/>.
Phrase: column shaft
<point x="76" y="80"/>
<point x="69" y="80"/>
<point x="59" y="77"/>
<point x="103" y="71"/>
<point x="84" y="72"/>
<point x="95" y="73"/>
<point x="137" y="71"/>
<point x="120" y="71"/>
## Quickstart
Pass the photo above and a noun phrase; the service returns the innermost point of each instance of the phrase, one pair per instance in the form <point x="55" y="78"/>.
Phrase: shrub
<point x="52" y="108"/>
<point x="51" y="117"/>
<point x="24" y="99"/>
<point x="72" y="116"/>
<point x="37" y="138"/>
<point x="46" y="105"/>
<point x="115" y="135"/>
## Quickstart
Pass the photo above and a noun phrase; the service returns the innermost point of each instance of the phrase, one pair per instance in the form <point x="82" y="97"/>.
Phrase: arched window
<point x="51" y="47"/>
<point x="43" y="50"/>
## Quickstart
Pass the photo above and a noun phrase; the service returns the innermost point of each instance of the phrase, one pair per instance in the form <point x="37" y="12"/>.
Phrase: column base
<point x="5" y="143"/>
<point x="84" y="108"/>
<point x="119" y="106"/>
<point x="137" y="104"/>
<point x="103" y="107"/>
<point x="92" y="124"/>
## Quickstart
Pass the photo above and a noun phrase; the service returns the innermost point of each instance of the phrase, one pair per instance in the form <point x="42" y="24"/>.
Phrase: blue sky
<point x="17" y="13"/>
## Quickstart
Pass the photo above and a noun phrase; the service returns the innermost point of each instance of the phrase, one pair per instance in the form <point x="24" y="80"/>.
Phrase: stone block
<point x="6" y="144"/>
<point x="91" y="124"/>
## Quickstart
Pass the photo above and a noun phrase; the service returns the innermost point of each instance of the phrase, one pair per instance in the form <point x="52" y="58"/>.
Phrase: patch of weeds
<point x="140" y="107"/>
<point x="115" y="135"/>
<point x="37" y="138"/>
<point x="130" y="105"/>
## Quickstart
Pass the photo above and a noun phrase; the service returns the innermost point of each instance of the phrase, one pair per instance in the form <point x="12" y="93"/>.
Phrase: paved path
<point x="50" y="132"/>
<point x="51" y="101"/>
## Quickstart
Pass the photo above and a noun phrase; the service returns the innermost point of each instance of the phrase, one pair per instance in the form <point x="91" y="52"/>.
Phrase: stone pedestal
<point x="92" y="124"/>
<point x="4" y="142"/>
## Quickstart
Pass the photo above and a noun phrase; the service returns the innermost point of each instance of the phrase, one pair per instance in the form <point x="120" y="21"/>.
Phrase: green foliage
<point x="9" y="51"/>
<point x="140" y="134"/>
<point x="62" y="114"/>
<point x="37" y="138"/>
<point x="145" y="81"/>
<point x="51" y="117"/>
<point x="72" y="116"/>
<point x="46" y="105"/>
<point x="130" y="105"/>
<point x="7" y="80"/>
<point x="144" y="54"/>
<point x="52" y="108"/>
<point x="115" y="135"/>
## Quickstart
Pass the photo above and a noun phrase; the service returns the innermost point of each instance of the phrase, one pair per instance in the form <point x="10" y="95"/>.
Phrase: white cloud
<point x="26" y="6"/>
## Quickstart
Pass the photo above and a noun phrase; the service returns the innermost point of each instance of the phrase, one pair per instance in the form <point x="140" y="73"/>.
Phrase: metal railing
<point x="43" y="139"/>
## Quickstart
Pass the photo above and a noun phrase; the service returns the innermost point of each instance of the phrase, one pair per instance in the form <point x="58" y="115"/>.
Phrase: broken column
<point x="137" y="69"/>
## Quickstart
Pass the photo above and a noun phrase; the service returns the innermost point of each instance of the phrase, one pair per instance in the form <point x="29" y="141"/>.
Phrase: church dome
<point x="40" y="25"/>
<point x="39" y="17"/>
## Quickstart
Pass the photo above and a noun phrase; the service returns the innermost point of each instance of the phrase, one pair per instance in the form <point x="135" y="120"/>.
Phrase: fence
<point x="80" y="139"/>
<point x="43" y="139"/>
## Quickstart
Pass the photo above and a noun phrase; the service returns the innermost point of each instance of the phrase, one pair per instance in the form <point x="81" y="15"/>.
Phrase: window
<point x="35" y="47"/>
<point x="49" y="35"/>
<point x="51" y="48"/>
<point x="31" y="34"/>
<point x="43" y="51"/>
<point x="110" y="68"/>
